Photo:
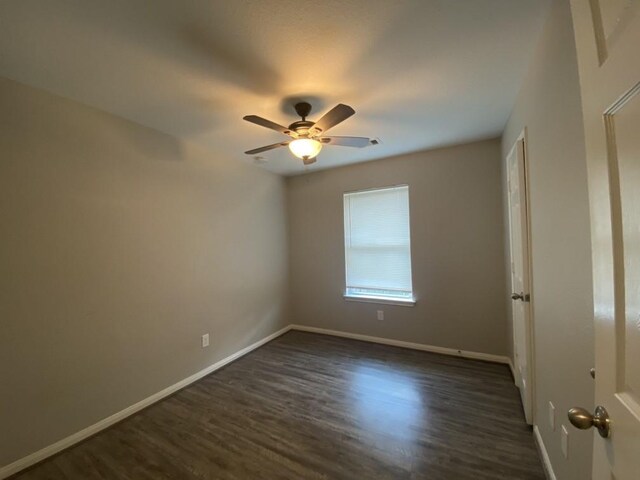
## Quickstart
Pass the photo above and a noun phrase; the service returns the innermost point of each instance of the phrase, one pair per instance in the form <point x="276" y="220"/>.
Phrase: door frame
<point x="523" y="136"/>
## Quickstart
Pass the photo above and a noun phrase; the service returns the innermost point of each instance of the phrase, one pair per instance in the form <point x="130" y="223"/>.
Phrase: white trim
<point x="399" y="343"/>
<point x="370" y="189"/>
<point x="530" y="413"/>
<point x="60" y="445"/>
<point x="513" y="370"/>
<point x="548" y="469"/>
<point x="33" y="458"/>
<point x="380" y="300"/>
<point x="347" y="243"/>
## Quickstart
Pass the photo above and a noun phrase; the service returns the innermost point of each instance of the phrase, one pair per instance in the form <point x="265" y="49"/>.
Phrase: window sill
<point x="381" y="300"/>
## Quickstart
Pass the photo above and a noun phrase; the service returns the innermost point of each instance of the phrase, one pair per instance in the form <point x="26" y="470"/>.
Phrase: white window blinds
<point x="377" y="243"/>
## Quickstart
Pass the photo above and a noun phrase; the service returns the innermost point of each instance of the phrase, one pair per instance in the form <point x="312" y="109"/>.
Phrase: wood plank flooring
<point x="309" y="406"/>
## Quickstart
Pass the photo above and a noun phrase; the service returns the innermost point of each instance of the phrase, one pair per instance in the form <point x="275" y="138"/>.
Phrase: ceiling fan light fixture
<point x="305" y="147"/>
<point x="305" y="136"/>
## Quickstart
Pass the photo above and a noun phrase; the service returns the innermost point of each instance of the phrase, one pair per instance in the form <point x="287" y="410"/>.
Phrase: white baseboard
<point x="399" y="343"/>
<point x="513" y="370"/>
<point x="543" y="453"/>
<point x="60" y="445"/>
<point x="32" y="459"/>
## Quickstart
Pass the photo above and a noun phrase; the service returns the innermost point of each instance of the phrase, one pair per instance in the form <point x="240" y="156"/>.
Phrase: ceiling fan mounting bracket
<point x="303" y="109"/>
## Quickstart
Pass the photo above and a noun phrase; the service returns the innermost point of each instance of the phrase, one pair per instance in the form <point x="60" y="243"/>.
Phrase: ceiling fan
<point x="308" y="137"/>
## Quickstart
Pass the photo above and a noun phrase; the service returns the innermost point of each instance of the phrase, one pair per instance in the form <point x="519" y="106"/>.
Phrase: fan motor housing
<point x="301" y="127"/>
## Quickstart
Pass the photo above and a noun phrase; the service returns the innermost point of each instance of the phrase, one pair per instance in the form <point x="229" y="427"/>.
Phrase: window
<point x="377" y="245"/>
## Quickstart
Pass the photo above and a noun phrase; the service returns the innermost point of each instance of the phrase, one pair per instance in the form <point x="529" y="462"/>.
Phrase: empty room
<point x="340" y="240"/>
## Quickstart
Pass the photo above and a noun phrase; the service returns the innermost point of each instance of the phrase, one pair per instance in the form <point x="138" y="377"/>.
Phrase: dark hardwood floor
<point x="309" y="406"/>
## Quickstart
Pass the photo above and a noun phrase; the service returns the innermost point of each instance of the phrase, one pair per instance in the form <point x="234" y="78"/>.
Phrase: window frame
<point x="378" y="299"/>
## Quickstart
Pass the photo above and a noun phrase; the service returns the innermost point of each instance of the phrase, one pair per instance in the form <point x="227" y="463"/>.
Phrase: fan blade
<point x="357" y="142"/>
<point x="263" y="122"/>
<point x="268" y="147"/>
<point x="333" y="117"/>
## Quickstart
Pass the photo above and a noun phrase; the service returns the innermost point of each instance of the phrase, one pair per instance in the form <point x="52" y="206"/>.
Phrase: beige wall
<point x="120" y="246"/>
<point x="549" y="106"/>
<point x="456" y="243"/>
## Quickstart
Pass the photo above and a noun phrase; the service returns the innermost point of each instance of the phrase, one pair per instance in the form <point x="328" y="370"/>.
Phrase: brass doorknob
<point x="582" y="419"/>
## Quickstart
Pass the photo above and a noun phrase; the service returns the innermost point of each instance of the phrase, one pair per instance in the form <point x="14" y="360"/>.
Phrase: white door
<point x="607" y="34"/>
<point x="518" y="227"/>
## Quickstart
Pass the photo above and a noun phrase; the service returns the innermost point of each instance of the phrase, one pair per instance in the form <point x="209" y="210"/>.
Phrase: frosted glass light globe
<point x="305" y="147"/>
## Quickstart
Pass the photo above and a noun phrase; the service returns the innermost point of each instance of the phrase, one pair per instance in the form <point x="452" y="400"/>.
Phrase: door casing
<point x="530" y="409"/>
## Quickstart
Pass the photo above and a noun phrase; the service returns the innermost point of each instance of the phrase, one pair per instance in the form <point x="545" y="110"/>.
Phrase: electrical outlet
<point x="564" y="442"/>
<point x="205" y="340"/>
<point x="552" y="417"/>
<point x="380" y="314"/>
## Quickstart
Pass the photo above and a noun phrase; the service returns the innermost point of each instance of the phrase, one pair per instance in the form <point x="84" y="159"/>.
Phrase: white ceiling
<point x="420" y="74"/>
